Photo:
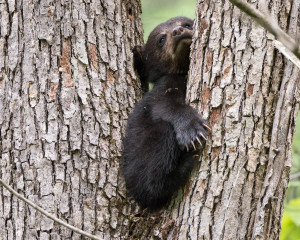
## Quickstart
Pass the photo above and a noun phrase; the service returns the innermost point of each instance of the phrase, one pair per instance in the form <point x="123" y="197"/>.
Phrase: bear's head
<point x="166" y="51"/>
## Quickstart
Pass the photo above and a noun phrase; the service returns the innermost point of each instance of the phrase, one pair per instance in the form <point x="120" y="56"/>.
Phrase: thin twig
<point x="270" y="24"/>
<point x="296" y="175"/>
<point x="287" y="53"/>
<point x="74" y="229"/>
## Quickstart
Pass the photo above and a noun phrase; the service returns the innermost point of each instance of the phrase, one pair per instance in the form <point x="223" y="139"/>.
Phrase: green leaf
<point x="289" y="230"/>
<point x="293" y="211"/>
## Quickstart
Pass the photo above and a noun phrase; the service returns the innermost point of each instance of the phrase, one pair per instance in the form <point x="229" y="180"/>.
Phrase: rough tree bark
<point x="250" y="94"/>
<point x="66" y="88"/>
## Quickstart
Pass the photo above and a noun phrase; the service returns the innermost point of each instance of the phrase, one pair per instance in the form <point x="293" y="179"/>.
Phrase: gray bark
<point x="250" y="94"/>
<point x="66" y="88"/>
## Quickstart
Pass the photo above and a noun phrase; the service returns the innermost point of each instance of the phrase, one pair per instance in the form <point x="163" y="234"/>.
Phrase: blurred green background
<point x="158" y="11"/>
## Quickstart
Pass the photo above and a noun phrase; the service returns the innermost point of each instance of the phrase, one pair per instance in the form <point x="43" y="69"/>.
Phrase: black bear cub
<point x="162" y="129"/>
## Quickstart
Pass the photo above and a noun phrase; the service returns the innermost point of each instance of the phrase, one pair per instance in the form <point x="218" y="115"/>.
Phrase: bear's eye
<point x="187" y="25"/>
<point x="162" y="40"/>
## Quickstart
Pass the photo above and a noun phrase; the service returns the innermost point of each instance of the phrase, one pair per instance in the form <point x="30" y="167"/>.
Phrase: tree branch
<point x="294" y="176"/>
<point x="287" y="53"/>
<point x="74" y="229"/>
<point x="270" y="24"/>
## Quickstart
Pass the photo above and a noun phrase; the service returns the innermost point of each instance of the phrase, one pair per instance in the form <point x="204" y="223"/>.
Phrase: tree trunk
<point x="250" y="94"/>
<point x="66" y="88"/>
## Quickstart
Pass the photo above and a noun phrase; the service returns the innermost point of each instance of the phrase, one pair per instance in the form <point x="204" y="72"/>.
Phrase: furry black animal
<point x="162" y="128"/>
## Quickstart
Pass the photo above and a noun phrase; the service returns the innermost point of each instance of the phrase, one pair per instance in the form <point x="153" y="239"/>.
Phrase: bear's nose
<point x="177" y="31"/>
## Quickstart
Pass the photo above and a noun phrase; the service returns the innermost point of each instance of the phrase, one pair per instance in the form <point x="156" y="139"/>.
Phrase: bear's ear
<point x="140" y="65"/>
<point x="138" y="60"/>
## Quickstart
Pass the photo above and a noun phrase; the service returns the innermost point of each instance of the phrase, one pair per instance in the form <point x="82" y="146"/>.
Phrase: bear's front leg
<point x="190" y="128"/>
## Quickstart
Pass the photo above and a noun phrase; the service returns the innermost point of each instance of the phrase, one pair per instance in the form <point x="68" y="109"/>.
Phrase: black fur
<point x="156" y="161"/>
